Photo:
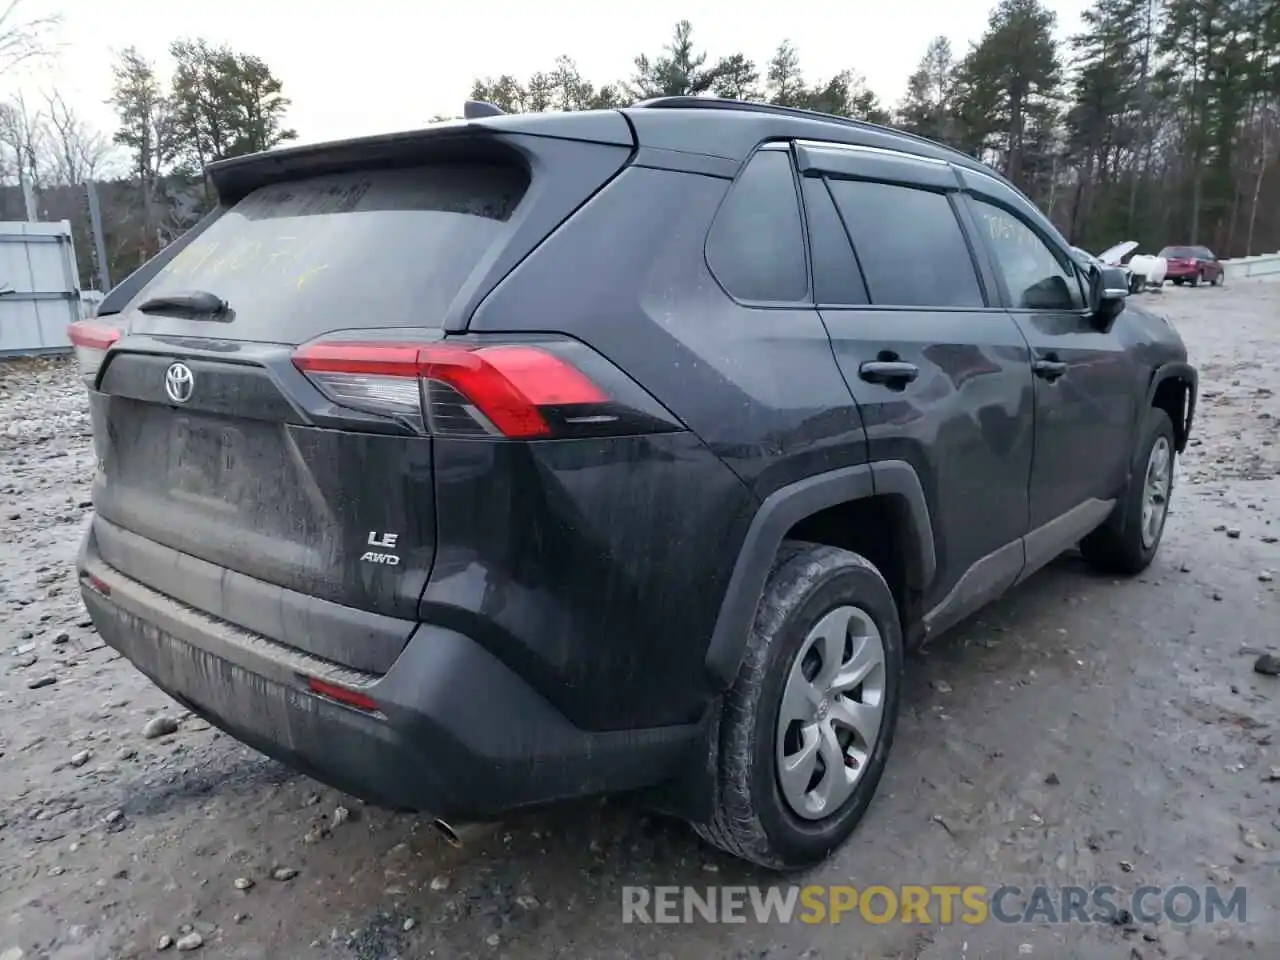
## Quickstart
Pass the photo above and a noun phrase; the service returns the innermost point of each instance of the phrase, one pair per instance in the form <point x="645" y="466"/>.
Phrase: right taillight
<point x="513" y="390"/>
<point x="91" y="341"/>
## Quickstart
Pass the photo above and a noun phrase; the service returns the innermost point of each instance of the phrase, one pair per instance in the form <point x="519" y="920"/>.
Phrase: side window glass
<point x="1035" y="278"/>
<point x="909" y="244"/>
<point x="836" y="277"/>
<point x="756" y="244"/>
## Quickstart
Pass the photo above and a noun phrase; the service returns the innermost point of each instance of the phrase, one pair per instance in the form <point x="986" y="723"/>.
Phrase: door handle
<point x="1049" y="369"/>
<point x="888" y="371"/>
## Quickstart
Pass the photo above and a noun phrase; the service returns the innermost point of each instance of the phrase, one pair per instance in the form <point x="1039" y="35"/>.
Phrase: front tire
<point x="1127" y="542"/>
<point x="807" y="727"/>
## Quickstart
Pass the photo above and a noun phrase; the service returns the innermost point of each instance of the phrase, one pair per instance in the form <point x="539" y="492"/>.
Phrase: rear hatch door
<point x="212" y="444"/>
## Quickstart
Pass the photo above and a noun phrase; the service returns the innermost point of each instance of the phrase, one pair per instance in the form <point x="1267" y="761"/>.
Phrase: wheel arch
<point x="835" y="495"/>
<point x="1173" y="388"/>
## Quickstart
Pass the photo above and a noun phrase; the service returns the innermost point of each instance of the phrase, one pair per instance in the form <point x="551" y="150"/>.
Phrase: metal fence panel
<point x="39" y="287"/>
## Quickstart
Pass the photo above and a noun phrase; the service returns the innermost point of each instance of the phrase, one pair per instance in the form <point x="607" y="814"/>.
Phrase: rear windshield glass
<point x="361" y="249"/>
<point x="1178" y="253"/>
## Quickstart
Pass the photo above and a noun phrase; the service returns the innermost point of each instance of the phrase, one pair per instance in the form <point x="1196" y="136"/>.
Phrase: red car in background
<point x="1192" y="265"/>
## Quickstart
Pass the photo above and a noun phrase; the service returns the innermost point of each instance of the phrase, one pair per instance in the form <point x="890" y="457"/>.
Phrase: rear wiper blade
<point x="189" y="303"/>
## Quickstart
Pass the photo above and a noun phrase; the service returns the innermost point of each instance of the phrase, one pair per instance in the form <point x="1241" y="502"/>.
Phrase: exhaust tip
<point x="450" y="835"/>
<point x="459" y="834"/>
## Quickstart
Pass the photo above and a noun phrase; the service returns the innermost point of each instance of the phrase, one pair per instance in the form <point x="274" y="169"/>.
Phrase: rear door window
<point x="373" y="248"/>
<point x="756" y="244"/>
<point x="909" y="244"/>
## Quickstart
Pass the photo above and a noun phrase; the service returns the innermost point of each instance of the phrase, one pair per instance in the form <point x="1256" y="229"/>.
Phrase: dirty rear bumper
<point x="456" y="734"/>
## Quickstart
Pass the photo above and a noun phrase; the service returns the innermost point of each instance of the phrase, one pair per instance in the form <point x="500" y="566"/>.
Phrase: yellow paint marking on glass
<point x="309" y="273"/>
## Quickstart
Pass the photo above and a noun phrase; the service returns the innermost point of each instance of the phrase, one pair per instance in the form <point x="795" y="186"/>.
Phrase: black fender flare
<point x="777" y="514"/>
<point x="1181" y="371"/>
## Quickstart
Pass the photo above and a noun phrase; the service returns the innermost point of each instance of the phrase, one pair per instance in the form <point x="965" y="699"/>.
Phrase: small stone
<point x="160" y="726"/>
<point x="164" y="942"/>
<point x="81" y="758"/>
<point x="283" y="873"/>
<point x="1217" y="595"/>
<point x="315" y="834"/>
<point x="62" y="637"/>
<point x="1268" y="665"/>
<point x="528" y="902"/>
<point x="493" y="939"/>
<point x="1251" y="839"/>
<point x="941" y="686"/>
<point x="1265" y="576"/>
<point x="1126" y="866"/>
<point x="244" y="883"/>
<point x="190" y="941"/>
<point x="311" y="800"/>
<point x="1273" y="776"/>
<point x="27" y="661"/>
<point x="115" y="816"/>
<point x="1052" y="780"/>
<point x="1221" y="875"/>
<point x="37" y="683"/>
<point x="1233" y="533"/>
<point x="126" y="753"/>
<point x="439" y="883"/>
<point x="407" y="925"/>
<point x="57" y="871"/>
<point x="710" y="868"/>
<point x="340" y="816"/>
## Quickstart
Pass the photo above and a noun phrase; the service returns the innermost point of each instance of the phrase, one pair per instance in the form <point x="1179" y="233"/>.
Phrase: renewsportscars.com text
<point x="945" y="904"/>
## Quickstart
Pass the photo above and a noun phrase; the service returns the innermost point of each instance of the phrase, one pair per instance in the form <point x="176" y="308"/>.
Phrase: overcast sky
<point x="371" y="66"/>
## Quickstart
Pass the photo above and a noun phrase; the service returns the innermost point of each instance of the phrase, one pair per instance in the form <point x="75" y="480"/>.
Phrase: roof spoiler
<point x="478" y="109"/>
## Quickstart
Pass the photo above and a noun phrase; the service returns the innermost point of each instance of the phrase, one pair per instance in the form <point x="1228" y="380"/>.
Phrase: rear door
<point x="941" y="377"/>
<point x="1084" y="385"/>
<point x="220" y="439"/>
<point x="1210" y="265"/>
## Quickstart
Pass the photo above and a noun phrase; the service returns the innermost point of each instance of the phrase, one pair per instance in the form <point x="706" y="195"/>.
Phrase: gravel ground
<point x="1082" y="731"/>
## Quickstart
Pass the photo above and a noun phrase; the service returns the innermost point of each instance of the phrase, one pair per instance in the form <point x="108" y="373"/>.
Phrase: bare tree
<point x="76" y="152"/>
<point x="22" y="131"/>
<point x="23" y="39"/>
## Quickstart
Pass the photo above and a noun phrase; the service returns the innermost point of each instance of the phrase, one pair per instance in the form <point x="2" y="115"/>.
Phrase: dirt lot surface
<point x="1084" y="731"/>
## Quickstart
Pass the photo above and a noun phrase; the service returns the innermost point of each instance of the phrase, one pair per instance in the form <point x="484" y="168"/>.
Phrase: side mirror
<point x="1108" y="288"/>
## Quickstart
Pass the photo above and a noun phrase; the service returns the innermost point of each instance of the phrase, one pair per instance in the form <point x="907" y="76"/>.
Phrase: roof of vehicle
<point x="730" y="129"/>
<point x="686" y="123"/>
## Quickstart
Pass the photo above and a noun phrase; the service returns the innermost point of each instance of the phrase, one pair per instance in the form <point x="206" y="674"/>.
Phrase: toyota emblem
<point x="179" y="381"/>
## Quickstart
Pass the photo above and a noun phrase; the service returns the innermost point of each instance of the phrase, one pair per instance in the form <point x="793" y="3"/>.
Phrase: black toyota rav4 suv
<point x="527" y="457"/>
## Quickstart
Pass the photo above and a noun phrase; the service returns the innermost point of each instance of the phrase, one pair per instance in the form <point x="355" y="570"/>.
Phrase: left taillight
<point x="517" y="391"/>
<point x="91" y="341"/>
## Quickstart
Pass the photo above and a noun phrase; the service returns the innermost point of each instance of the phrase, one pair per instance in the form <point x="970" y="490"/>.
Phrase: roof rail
<point x="751" y="106"/>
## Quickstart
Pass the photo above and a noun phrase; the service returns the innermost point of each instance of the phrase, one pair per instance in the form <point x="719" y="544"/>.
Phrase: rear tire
<point x="825" y="615"/>
<point x="1216" y="281"/>
<point x="1177" y="281"/>
<point x="1195" y="280"/>
<point x="1127" y="542"/>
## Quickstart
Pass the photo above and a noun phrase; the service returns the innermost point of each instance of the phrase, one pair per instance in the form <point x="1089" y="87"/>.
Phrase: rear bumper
<point x="1180" y="272"/>
<point x="457" y="734"/>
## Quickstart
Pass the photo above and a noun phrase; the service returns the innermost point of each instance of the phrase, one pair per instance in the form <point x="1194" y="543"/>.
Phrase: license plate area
<point x="207" y="462"/>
